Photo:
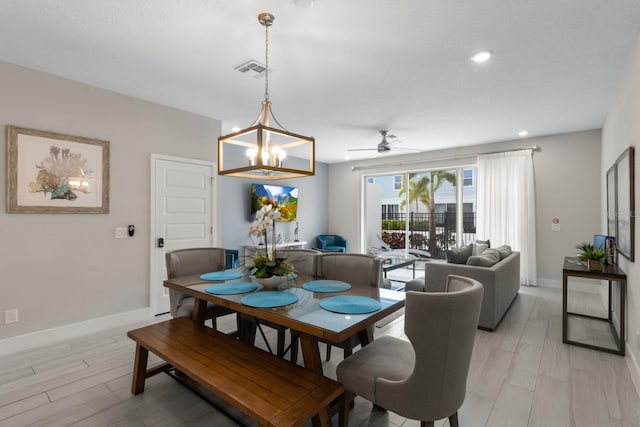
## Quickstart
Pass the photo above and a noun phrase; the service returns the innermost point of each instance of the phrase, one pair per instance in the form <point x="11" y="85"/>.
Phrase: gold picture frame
<point x="49" y="172"/>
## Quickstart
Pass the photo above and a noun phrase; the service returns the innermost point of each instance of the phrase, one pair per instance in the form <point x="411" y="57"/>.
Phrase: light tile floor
<point x="520" y="375"/>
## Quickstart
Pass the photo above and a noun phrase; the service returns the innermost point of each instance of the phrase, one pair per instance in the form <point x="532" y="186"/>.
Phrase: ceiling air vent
<point x="252" y="67"/>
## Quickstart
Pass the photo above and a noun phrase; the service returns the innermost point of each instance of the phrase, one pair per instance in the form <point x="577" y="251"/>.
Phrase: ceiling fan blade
<point x="382" y="154"/>
<point x="363" y="149"/>
<point x="415" y="150"/>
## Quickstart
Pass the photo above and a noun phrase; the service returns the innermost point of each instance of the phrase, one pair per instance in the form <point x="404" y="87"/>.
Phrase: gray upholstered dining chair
<point x="186" y="262"/>
<point x="303" y="260"/>
<point x="423" y="378"/>
<point x="355" y="269"/>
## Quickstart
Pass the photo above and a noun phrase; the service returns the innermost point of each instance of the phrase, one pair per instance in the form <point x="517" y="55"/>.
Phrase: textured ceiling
<point x="344" y="69"/>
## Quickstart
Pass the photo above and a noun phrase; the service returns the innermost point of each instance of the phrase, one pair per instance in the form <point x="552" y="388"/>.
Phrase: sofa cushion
<point x="479" y="248"/>
<point x="488" y="258"/>
<point x="417" y="285"/>
<point x="459" y="255"/>
<point x="504" y="250"/>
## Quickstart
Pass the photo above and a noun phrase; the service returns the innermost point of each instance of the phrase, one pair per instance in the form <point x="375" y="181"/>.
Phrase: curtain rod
<point x="415" y="162"/>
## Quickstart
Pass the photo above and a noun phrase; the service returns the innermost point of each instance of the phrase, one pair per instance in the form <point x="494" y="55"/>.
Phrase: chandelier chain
<point x="266" y="155"/>
<point x="266" y="62"/>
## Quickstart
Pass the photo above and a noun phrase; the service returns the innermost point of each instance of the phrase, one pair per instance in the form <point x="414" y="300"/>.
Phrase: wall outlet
<point x="11" y="316"/>
<point x="122" y="233"/>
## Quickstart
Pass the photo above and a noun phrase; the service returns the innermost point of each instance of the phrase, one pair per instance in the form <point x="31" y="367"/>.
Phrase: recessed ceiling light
<point x="235" y="129"/>
<point x="482" y="56"/>
<point x="303" y="3"/>
<point x="523" y="132"/>
<point x="347" y="157"/>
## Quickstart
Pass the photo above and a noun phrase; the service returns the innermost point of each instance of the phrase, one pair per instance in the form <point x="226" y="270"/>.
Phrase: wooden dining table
<point x="305" y="316"/>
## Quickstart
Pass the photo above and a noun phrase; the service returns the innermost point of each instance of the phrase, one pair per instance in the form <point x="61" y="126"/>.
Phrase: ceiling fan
<point x="385" y="144"/>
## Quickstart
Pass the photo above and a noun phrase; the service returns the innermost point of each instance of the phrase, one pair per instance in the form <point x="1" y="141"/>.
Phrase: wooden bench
<point x="271" y="390"/>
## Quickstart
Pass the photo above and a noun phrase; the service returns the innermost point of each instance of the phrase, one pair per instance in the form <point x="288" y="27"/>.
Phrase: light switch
<point x="122" y="233"/>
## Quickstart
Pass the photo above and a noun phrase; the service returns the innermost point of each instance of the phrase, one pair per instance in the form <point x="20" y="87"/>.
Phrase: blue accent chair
<point x="331" y="243"/>
<point x="232" y="259"/>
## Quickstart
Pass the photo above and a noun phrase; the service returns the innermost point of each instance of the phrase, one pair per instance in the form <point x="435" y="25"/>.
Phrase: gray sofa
<point x="501" y="283"/>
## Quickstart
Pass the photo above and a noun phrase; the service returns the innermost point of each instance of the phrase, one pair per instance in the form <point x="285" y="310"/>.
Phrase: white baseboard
<point x="62" y="333"/>
<point x="549" y="283"/>
<point x="634" y="368"/>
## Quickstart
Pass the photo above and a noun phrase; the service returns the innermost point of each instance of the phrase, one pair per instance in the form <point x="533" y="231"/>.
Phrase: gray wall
<point x="312" y="211"/>
<point x="59" y="269"/>
<point x="63" y="269"/>
<point x="622" y="129"/>
<point x="567" y="186"/>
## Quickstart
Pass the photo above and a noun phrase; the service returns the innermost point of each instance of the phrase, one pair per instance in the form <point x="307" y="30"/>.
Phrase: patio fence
<point x="393" y="231"/>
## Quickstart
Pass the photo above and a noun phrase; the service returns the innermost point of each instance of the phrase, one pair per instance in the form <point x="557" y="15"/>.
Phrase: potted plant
<point x="266" y="267"/>
<point x="591" y="255"/>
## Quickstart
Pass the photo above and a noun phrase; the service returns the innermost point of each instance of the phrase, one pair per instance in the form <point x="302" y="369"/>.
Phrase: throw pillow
<point x="479" y="248"/>
<point x="504" y="250"/>
<point x="459" y="255"/>
<point x="484" y="242"/>
<point x="488" y="258"/>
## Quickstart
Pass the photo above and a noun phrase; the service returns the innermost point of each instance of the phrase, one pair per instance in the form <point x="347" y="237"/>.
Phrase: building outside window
<point x="467" y="176"/>
<point x="397" y="182"/>
<point x="409" y="220"/>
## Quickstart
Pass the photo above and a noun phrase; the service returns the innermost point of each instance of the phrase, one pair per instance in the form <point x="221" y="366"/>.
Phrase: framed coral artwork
<point x="53" y="173"/>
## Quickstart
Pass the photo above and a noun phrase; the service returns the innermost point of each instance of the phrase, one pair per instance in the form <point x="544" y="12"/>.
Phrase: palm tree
<point x="423" y="191"/>
<point x="436" y="179"/>
<point x="418" y="191"/>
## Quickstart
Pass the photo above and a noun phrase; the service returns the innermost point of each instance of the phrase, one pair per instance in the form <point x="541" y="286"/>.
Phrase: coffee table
<point x="394" y="263"/>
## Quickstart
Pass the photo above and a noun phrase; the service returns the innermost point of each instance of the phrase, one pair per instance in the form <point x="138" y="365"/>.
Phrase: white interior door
<point x="181" y="215"/>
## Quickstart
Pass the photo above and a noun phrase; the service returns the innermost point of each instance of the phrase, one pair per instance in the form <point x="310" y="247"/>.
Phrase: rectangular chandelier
<point x="264" y="152"/>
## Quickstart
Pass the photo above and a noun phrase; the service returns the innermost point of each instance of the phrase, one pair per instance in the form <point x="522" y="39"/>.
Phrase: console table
<point x="574" y="268"/>
<point x="250" y="251"/>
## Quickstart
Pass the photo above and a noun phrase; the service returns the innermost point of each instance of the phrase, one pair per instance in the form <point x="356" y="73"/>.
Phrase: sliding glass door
<point x="419" y="212"/>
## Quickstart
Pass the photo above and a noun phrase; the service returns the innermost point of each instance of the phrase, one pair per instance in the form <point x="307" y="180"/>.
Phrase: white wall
<point x="567" y="179"/>
<point x="373" y="205"/>
<point x="59" y="269"/>
<point x="568" y="188"/>
<point x="622" y="129"/>
<point x="312" y="212"/>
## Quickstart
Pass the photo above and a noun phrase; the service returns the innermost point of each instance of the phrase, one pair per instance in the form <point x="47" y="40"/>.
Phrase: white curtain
<point x="506" y="206"/>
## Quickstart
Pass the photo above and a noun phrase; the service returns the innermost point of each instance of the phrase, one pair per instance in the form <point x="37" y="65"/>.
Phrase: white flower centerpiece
<point x="266" y="267"/>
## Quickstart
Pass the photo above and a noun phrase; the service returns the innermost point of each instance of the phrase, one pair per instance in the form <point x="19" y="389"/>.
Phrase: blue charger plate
<point x="350" y="304"/>
<point x="231" y="288"/>
<point x="269" y="299"/>
<point x="326" y="286"/>
<point x="222" y="275"/>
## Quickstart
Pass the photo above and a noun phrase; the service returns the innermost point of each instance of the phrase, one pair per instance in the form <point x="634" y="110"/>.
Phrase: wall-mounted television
<point x="281" y="197"/>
